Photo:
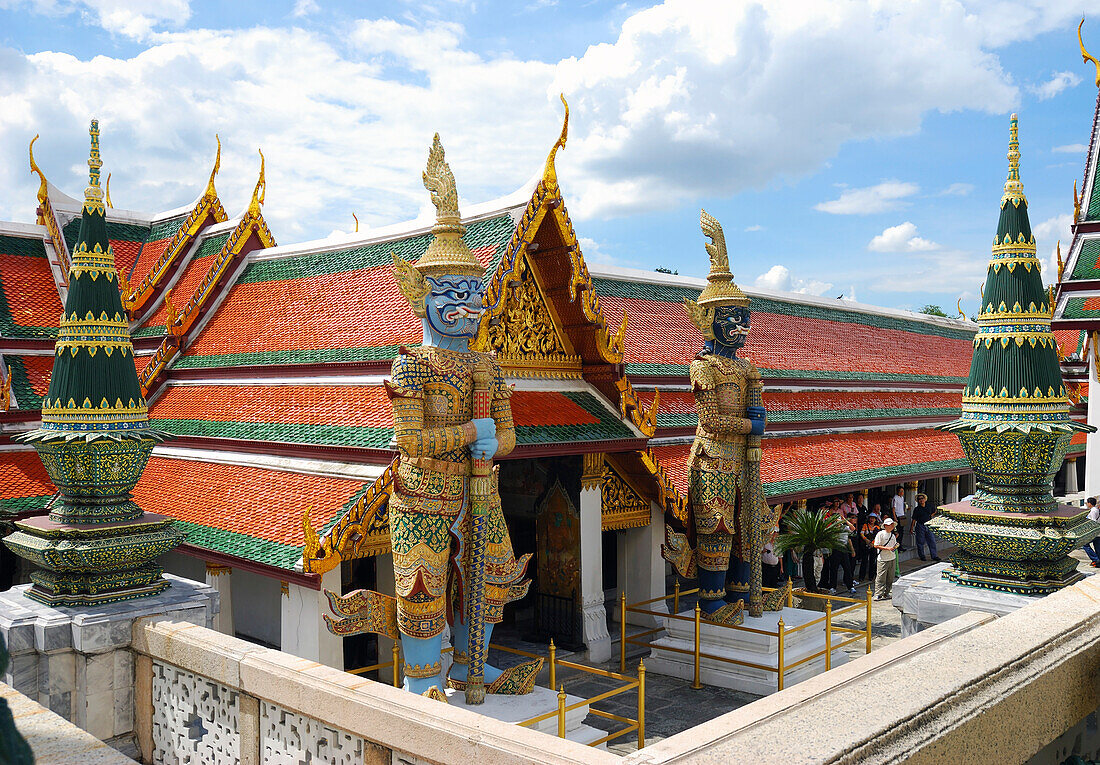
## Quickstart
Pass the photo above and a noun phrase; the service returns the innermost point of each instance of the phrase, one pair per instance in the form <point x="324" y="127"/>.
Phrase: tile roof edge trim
<point x="1074" y="252"/>
<point x="291" y="575"/>
<point x="23" y="230"/>
<point x="390" y="233"/>
<point x="327" y="469"/>
<point x="618" y="273"/>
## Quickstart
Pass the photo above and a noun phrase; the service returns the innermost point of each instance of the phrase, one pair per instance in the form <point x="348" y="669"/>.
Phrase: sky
<point x="849" y="147"/>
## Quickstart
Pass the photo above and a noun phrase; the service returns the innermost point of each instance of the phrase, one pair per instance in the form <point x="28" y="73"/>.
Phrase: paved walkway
<point x="671" y="704"/>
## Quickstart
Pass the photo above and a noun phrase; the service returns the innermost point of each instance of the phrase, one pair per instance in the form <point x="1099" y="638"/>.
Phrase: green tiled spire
<point x="1015" y="380"/>
<point x="96" y="545"/>
<point x="1015" y="426"/>
<point x="94" y="386"/>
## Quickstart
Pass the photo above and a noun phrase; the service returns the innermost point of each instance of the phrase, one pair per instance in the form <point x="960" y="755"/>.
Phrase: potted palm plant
<point x="807" y="533"/>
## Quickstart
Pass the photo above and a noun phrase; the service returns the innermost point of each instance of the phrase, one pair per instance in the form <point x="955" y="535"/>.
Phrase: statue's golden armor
<point x="722" y="507"/>
<point x="432" y="397"/>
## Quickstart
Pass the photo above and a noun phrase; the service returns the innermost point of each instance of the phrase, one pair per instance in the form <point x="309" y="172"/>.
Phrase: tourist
<point x="843" y="557"/>
<point x="771" y="567"/>
<point x="898" y="506"/>
<point x="923" y="535"/>
<point x="857" y="540"/>
<point x="886" y="544"/>
<point x="849" y="508"/>
<point x="1092" y="548"/>
<point x="867" y="533"/>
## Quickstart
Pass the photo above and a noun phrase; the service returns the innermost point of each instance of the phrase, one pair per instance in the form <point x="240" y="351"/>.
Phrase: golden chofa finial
<point x="43" y="187"/>
<point x="210" y="192"/>
<point x="1085" y="54"/>
<point x="1014" y="189"/>
<point x="107" y="191"/>
<point x="550" y="172"/>
<point x="1061" y="265"/>
<point x="1076" y="202"/>
<point x="356" y="222"/>
<point x="260" y="192"/>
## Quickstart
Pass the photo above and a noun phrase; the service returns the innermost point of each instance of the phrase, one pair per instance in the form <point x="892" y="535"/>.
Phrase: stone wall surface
<point x="290" y="710"/>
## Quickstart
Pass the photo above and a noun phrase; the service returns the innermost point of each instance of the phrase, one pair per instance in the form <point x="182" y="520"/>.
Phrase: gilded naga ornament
<point x="728" y="515"/>
<point x="452" y="556"/>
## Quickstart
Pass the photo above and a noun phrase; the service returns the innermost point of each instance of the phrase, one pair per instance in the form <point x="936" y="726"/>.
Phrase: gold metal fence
<point x="781" y="633"/>
<point x="629" y="684"/>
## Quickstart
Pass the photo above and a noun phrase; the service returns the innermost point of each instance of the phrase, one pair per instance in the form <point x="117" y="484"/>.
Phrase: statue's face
<point x="731" y="325"/>
<point x="454" y="305"/>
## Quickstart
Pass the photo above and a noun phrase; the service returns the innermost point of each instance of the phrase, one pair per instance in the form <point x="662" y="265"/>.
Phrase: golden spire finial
<point x="260" y="192"/>
<point x="107" y="191"/>
<point x="1014" y="188"/>
<point x="210" y="191"/>
<point x="1061" y="265"/>
<point x="93" y="195"/>
<point x="447" y="253"/>
<point x="550" y="172"/>
<point x="721" y="289"/>
<point x="43" y="187"/>
<point x="440" y="181"/>
<point x="1085" y="54"/>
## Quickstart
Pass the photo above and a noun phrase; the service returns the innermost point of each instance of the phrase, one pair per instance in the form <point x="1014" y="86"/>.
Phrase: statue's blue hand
<point x="484" y="448"/>
<point x="486" y="428"/>
<point x="756" y="415"/>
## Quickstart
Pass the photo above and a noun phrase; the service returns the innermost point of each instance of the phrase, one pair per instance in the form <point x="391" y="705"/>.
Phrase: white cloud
<point x="754" y="227"/>
<point x="694" y="98"/>
<point x="779" y="278"/>
<point x="957" y="190"/>
<point x="872" y="199"/>
<point x="1071" y="148"/>
<point x="305" y="8"/>
<point x="136" y="19"/>
<point x="1047" y="235"/>
<point x="901" y="238"/>
<point x="1058" y="82"/>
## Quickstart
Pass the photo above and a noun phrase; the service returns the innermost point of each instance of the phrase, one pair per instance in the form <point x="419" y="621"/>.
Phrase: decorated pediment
<point x="526" y="336"/>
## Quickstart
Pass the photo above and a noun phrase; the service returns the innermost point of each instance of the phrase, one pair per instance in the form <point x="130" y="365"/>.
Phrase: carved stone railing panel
<point x="195" y="720"/>
<point x="288" y="738"/>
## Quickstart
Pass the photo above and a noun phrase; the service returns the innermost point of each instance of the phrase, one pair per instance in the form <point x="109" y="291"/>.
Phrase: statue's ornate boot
<point x="514" y="681"/>
<point x="712" y="602"/>
<point x="777" y="599"/>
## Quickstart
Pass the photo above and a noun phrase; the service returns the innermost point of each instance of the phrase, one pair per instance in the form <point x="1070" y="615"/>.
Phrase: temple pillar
<point x="303" y="629"/>
<point x="951" y="493"/>
<point x="1071" y="475"/>
<point x="221" y="579"/>
<point x="641" y="567"/>
<point x="1092" y="441"/>
<point x="910" y="498"/>
<point x="593" y="613"/>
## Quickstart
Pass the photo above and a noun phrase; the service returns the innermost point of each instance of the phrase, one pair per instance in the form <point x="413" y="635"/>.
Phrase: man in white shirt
<point x="898" y="506"/>
<point x="886" y="544"/>
<point x="1092" y="548"/>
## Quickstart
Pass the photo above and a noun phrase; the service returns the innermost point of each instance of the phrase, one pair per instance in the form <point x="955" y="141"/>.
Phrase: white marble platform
<point x="516" y="709"/>
<point x="925" y="599"/>
<point x="745" y="646"/>
<point x="77" y="662"/>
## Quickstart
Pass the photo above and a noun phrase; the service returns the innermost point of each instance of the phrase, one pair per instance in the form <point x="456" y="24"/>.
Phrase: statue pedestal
<point x="925" y="599"/>
<point x="77" y="661"/>
<point x="516" y="709"/>
<point x="747" y="647"/>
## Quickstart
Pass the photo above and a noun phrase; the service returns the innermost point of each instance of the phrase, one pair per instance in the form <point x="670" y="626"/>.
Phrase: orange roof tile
<point x="30" y="291"/>
<point x="22" y="475"/>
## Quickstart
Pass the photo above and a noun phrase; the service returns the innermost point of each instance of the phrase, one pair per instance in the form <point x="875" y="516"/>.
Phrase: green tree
<point x="933" y="310"/>
<point x="808" y="532"/>
<point x="663" y="270"/>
